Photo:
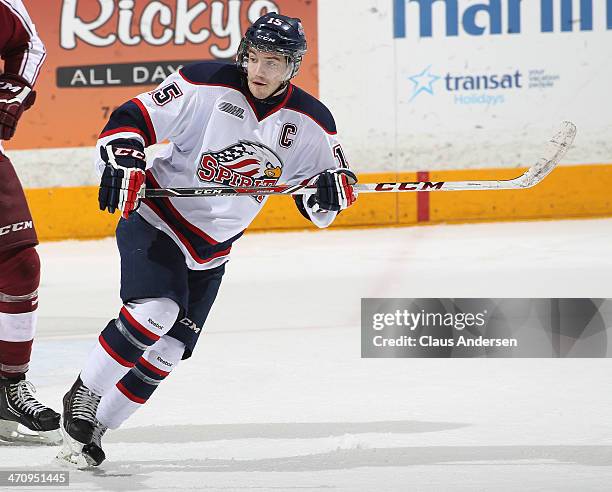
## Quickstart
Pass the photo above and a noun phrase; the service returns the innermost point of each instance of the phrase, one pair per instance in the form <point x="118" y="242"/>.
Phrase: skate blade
<point x="11" y="434"/>
<point x="71" y="454"/>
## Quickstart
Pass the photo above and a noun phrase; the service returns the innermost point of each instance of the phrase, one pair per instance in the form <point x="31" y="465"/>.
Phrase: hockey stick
<point x="555" y="150"/>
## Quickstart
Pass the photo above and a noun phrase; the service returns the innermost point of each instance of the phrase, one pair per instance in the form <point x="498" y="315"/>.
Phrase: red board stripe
<point x="422" y="199"/>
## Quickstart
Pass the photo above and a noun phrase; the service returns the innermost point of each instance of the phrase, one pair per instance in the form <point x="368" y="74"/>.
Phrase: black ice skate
<point x="19" y="406"/>
<point x="78" y="424"/>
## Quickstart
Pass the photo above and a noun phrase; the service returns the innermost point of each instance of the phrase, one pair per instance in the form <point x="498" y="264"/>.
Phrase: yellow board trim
<point x="569" y="192"/>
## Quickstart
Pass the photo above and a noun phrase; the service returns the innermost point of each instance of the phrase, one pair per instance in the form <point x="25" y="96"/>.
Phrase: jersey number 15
<point x="166" y="94"/>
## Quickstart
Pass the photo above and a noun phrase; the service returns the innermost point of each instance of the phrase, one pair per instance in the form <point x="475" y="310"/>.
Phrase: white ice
<point x="276" y="396"/>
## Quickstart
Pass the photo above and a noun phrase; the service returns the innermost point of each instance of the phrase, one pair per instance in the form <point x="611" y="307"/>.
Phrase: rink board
<point x="570" y="191"/>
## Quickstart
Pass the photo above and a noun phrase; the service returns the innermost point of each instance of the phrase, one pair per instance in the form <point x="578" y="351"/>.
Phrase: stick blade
<point x="556" y="148"/>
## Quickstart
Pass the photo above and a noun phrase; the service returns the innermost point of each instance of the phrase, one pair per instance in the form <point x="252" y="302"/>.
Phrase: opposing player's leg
<point x="19" y="280"/>
<point x="138" y="385"/>
<point x="154" y="290"/>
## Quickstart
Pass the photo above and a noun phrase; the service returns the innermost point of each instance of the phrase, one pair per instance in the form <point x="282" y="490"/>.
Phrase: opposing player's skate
<point x="19" y="406"/>
<point x="78" y="425"/>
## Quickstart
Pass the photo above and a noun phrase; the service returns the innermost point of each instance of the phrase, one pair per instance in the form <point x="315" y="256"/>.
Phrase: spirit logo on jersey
<point x="245" y="164"/>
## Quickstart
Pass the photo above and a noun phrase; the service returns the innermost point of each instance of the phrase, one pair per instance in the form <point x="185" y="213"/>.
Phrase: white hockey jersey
<point x="220" y="135"/>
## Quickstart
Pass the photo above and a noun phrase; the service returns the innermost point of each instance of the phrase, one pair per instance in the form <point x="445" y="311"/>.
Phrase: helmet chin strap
<point x="281" y="89"/>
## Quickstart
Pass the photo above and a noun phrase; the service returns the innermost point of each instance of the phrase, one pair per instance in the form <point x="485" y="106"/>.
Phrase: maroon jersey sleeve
<point x="20" y="47"/>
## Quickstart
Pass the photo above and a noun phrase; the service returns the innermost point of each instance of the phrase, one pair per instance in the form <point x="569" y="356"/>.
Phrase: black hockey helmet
<point x="274" y="33"/>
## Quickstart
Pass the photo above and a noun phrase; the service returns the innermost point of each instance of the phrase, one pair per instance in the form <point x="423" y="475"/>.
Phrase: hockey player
<point x="23" y="54"/>
<point x="235" y="125"/>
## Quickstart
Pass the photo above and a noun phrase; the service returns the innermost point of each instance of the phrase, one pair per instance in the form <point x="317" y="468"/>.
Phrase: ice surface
<point x="276" y="396"/>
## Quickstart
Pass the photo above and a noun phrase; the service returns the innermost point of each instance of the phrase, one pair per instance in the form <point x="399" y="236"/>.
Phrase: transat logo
<point x="423" y="82"/>
<point x="468" y="87"/>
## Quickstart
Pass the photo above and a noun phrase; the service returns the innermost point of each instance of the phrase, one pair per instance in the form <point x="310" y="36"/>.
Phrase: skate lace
<point x="22" y="397"/>
<point x="85" y="404"/>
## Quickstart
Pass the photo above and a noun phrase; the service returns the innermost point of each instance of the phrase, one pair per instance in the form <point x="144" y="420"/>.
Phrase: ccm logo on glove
<point x="123" y="152"/>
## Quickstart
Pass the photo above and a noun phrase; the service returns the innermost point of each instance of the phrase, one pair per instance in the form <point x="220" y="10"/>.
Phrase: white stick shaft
<point x="554" y="152"/>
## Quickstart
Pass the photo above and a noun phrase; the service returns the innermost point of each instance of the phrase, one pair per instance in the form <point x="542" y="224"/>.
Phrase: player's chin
<point x="259" y="90"/>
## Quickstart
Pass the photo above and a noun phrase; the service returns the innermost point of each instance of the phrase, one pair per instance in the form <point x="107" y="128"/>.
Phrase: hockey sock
<point x="140" y="324"/>
<point x="19" y="280"/>
<point x="136" y="387"/>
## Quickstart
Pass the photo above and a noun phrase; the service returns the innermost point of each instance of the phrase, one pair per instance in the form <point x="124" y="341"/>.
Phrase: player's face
<point x="265" y="72"/>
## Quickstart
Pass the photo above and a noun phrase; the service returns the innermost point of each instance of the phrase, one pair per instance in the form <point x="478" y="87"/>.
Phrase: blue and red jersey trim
<point x="131" y="116"/>
<point x="200" y="245"/>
